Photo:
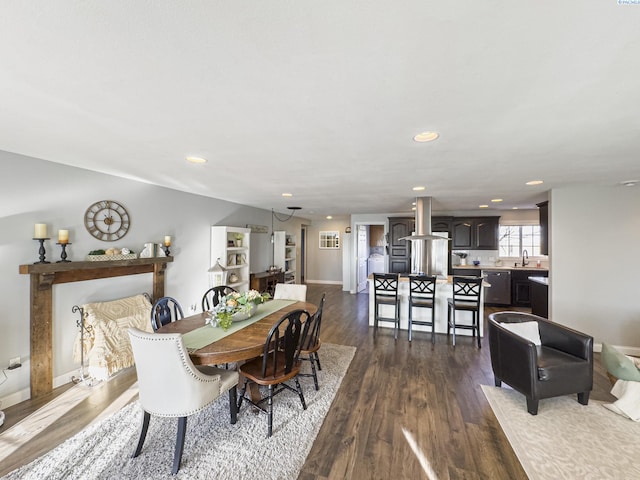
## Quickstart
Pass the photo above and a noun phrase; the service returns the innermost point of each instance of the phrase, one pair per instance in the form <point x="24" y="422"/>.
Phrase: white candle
<point x="40" y="230"/>
<point x="63" y="236"/>
<point x="167" y="241"/>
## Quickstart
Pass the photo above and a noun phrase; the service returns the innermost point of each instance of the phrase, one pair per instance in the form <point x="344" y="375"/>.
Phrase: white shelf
<point x="232" y="245"/>
<point x="285" y="254"/>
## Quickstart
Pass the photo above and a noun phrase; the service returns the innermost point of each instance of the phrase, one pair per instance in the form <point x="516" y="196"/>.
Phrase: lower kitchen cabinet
<point x="521" y="286"/>
<point x="539" y="298"/>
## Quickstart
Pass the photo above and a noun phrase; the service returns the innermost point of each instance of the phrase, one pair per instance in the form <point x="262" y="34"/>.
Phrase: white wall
<point x="595" y="266"/>
<point x="35" y="191"/>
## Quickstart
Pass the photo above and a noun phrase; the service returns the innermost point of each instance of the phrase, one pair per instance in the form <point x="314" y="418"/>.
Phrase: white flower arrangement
<point x="235" y="302"/>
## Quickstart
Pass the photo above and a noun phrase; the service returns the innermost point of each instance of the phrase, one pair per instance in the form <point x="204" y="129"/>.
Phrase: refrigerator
<point x="430" y="257"/>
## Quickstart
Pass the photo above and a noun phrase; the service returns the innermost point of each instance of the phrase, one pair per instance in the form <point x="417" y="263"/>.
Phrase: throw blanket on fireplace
<point x="106" y="342"/>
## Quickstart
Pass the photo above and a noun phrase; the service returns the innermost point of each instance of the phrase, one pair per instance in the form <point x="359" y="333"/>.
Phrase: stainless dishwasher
<point x="500" y="291"/>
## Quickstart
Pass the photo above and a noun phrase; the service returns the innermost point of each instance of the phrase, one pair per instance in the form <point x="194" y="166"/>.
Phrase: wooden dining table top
<point x="244" y="344"/>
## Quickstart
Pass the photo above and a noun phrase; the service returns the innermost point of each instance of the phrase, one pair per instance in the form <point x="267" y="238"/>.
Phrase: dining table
<point x="244" y="340"/>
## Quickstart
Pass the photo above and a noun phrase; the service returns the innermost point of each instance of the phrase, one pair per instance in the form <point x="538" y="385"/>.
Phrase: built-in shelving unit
<point x="285" y="255"/>
<point x="232" y="246"/>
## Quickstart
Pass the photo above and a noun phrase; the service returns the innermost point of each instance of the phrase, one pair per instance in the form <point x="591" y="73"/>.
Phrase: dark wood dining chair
<point x="466" y="297"/>
<point x="279" y="363"/>
<point x="422" y="291"/>
<point x="385" y="288"/>
<point x="165" y="310"/>
<point x="311" y="344"/>
<point x="211" y="297"/>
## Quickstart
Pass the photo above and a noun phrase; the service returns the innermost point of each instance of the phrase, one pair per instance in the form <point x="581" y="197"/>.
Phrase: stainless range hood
<point x="427" y="250"/>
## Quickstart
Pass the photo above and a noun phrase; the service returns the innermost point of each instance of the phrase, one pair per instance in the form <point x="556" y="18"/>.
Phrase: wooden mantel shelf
<point x="52" y="273"/>
<point x="45" y="275"/>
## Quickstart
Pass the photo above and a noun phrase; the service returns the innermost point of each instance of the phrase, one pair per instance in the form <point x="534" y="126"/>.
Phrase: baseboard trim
<point x="25" y="394"/>
<point x="325" y="282"/>
<point x="633" y="351"/>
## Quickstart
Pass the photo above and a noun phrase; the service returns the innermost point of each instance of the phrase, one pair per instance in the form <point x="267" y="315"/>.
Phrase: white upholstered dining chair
<point x="171" y="386"/>
<point x="290" y="291"/>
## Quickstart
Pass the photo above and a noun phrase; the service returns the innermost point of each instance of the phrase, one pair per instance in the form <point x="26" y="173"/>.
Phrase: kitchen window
<point x="516" y="238"/>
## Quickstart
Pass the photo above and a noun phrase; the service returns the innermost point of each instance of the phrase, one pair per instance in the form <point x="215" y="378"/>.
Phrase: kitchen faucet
<point x="525" y="258"/>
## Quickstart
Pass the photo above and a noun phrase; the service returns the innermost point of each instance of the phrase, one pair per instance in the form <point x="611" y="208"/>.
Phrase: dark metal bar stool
<point x="385" y="286"/>
<point x="466" y="297"/>
<point x="422" y="291"/>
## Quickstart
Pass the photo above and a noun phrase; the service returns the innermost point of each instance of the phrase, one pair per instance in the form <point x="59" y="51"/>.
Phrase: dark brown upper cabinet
<point x="475" y="233"/>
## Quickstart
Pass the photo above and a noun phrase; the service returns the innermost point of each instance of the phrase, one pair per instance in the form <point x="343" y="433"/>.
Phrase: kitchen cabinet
<point x="521" y="286"/>
<point x="441" y="224"/>
<point x="475" y="233"/>
<point x="544" y="227"/>
<point x="400" y="250"/>
<point x="539" y="297"/>
<point x="466" y="272"/>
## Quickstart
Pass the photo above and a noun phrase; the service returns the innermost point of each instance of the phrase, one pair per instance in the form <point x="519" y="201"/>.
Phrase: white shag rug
<point x="566" y="439"/>
<point x="214" y="449"/>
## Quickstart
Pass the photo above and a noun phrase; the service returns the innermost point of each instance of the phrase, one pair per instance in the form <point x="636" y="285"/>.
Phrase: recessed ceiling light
<point x="629" y="183"/>
<point x="496" y="200"/>
<point x="514" y="208"/>
<point x="426" y="137"/>
<point x="483" y="206"/>
<point x="419" y="189"/>
<point x="329" y="217"/>
<point x="197" y="160"/>
<point x="287" y="194"/>
<point x="535" y="182"/>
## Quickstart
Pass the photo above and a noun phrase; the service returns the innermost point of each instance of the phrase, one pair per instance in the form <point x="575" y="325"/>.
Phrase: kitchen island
<point x="540" y="296"/>
<point x="444" y="290"/>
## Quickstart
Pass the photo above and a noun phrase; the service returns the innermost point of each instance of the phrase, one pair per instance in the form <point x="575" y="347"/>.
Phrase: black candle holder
<point x="41" y="250"/>
<point x="63" y="255"/>
<point x="166" y="250"/>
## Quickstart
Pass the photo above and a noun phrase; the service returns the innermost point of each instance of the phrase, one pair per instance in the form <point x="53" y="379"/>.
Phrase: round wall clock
<point x="107" y="220"/>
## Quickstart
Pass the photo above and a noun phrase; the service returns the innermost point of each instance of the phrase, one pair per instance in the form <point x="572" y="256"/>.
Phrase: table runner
<point x="203" y="336"/>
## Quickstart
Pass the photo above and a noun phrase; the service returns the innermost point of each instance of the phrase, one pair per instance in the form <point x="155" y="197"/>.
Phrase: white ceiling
<point x="322" y="98"/>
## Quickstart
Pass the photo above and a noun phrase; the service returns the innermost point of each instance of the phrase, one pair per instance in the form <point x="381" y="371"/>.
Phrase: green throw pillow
<point x="618" y="364"/>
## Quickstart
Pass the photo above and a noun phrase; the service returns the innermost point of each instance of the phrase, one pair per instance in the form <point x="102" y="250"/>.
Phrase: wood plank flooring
<point x="403" y="411"/>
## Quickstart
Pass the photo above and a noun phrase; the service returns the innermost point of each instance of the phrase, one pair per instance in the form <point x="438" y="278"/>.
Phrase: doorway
<point x="371" y="253"/>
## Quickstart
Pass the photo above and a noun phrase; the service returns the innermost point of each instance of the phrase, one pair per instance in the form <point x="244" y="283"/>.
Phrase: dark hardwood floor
<point x="403" y="410"/>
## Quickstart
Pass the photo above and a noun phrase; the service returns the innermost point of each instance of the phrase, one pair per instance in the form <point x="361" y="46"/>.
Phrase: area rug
<point x="213" y="447"/>
<point x="566" y="439"/>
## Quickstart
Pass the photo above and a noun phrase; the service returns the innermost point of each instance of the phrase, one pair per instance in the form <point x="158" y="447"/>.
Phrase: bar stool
<point x="466" y="297"/>
<point x="422" y="291"/>
<point x="385" y="287"/>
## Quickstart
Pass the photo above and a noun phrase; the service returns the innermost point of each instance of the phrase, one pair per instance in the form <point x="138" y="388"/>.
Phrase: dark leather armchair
<point x="561" y="365"/>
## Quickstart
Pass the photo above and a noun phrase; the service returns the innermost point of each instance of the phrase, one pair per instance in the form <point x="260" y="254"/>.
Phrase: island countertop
<point x="541" y="280"/>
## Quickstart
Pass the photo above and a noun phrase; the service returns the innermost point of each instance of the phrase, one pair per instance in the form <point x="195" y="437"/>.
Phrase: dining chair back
<point x="211" y="297"/>
<point x="422" y="291"/>
<point x="311" y="344"/>
<point x="279" y="363"/>
<point x="385" y="290"/>
<point x="165" y="310"/>
<point x="466" y="297"/>
<point x="290" y="291"/>
<point x="171" y="386"/>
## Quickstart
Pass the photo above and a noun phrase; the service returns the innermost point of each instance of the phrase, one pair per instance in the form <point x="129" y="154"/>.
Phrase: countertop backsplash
<point x="490" y="258"/>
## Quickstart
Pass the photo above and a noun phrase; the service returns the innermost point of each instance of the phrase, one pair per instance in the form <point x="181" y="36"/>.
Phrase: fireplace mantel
<point x="45" y="275"/>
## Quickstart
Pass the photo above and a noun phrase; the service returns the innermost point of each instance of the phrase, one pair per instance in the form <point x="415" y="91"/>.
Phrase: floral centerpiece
<point x="236" y="306"/>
